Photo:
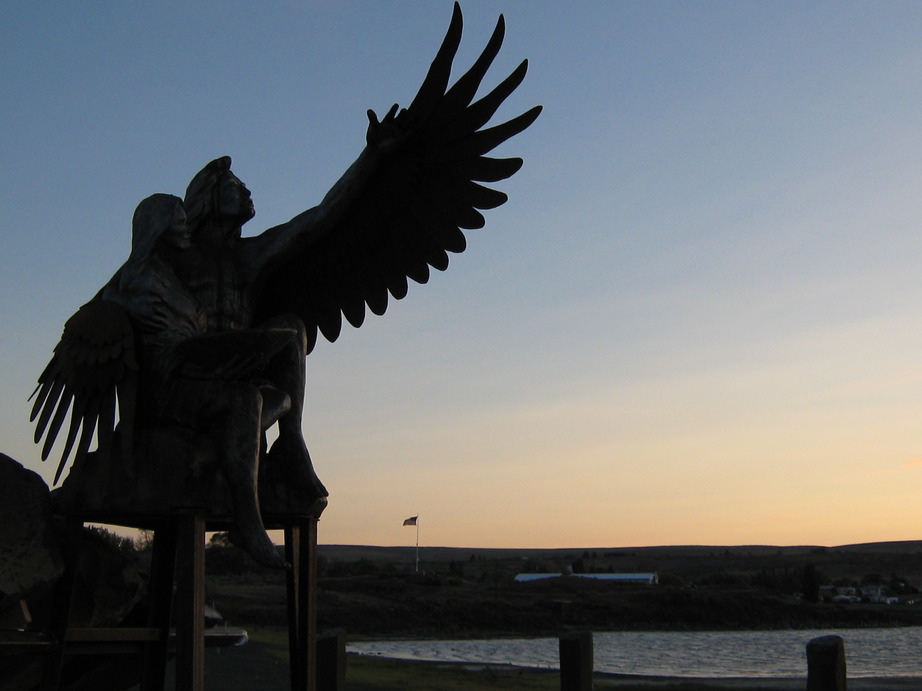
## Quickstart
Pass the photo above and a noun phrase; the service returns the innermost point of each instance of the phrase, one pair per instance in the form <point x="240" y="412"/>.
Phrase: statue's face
<point x="234" y="200"/>
<point x="177" y="233"/>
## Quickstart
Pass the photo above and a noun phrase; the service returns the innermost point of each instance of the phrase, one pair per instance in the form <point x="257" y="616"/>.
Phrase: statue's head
<point x="216" y="196"/>
<point x="160" y="216"/>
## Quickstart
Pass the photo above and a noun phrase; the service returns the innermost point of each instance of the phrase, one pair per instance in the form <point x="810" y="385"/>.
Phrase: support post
<point x="331" y="661"/>
<point x="576" y="661"/>
<point x="60" y="612"/>
<point x="301" y="552"/>
<point x="190" y="587"/>
<point x="293" y="557"/>
<point x="160" y="606"/>
<point x="826" y="664"/>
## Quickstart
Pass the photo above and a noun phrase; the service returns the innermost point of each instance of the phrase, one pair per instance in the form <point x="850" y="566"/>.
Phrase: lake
<point x="768" y="654"/>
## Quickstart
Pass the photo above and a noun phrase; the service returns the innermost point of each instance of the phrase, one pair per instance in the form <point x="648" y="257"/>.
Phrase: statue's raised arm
<point x="400" y="208"/>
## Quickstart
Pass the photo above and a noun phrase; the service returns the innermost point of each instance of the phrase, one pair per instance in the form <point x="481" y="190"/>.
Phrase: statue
<point x="204" y="332"/>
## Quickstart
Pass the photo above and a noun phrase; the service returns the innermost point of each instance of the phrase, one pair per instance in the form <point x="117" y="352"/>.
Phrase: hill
<point x="690" y="563"/>
<point x="376" y="591"/>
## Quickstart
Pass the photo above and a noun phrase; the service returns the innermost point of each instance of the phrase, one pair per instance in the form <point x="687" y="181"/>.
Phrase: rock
<point x="107" y="588"/>
<point x="30" y="554"/>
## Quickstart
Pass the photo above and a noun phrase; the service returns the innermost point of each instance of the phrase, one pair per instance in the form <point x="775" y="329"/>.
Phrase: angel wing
<point x="412" y="211"/>
<point x="93" y="366"/>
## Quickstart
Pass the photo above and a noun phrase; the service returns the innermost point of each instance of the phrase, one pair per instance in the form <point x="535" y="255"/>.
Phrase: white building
<point x="640" y="578"/>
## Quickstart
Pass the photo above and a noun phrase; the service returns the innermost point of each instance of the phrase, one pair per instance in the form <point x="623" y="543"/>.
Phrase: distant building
<point x="874" y="593"/>
<point x="844" y="599"/>
<point x="639" y="578"/>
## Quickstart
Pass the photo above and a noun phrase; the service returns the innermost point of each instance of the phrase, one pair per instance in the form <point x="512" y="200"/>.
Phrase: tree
<point x="220" y="540"/>
<point x="810" y="583"/>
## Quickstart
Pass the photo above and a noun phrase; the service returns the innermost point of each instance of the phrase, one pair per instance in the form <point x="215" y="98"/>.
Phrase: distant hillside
<point x="374" y="591"/>
<point x="879" y="547"/>
<point x="400" y="553"/>
<point x="688" y="563"/>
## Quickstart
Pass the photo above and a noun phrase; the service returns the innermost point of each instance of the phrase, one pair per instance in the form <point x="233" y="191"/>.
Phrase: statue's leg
<point x="276" y="403"/>
<point x="240" y="463"/>
<point x="287" y="372"/>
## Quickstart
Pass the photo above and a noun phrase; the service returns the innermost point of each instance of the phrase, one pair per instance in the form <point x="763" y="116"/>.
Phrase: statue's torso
<point x="218" y="279"/>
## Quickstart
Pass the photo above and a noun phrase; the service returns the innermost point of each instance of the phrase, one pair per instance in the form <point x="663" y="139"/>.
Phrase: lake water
<point x="767" y="654"/>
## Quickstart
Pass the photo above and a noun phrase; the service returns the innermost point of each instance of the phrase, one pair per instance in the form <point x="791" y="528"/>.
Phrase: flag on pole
<point x="411" y="520"/>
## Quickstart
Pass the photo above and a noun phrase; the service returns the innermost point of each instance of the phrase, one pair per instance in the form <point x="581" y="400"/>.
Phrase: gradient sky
<point x="696" y="321"/>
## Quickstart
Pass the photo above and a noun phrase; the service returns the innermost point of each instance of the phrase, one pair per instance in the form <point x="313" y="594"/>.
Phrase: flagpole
<point x="414" y="520"/>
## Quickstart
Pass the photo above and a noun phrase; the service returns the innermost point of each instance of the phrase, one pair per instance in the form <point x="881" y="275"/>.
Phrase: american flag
<point x="411" y="520"/>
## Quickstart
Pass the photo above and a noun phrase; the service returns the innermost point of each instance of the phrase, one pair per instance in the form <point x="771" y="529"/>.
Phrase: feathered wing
<point x="413" y="210"/>
<point x="93" y="369"/>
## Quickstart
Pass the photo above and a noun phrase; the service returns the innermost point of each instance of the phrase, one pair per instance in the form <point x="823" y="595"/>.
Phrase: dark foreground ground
<point x="262" y="665"/>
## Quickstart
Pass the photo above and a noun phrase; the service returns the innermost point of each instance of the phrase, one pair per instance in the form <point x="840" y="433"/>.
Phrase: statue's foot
<point x="290" y="463"/>
<point x="255" y="542"/>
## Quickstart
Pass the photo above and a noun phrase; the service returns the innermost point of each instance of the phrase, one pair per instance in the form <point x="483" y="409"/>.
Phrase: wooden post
<point x="331" y="661"/>
<point x="160" y="606"/>
<point x="190" y="591"/>
<point x="826" y="664"/>
<point x="301" y="552"/>
<point x="307" y="600"/>
<point x="293" y="556"/>
<point x="576" y="661"/>
<point x="60" y="611"/>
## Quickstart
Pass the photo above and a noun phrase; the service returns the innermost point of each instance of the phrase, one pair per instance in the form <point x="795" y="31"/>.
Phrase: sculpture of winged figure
<point x="203" y="328"/>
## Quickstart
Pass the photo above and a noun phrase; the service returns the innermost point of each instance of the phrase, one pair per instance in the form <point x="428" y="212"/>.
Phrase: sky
<point x="697" y="320"/>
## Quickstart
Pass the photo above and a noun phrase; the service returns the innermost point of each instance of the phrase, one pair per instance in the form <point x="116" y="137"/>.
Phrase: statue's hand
<point x="386" y="135"/>
<point x="239" y="366"/>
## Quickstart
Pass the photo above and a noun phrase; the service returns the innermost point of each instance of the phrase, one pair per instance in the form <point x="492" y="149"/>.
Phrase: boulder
<point x="30" y="553"/>
<point x="107" y="589"/>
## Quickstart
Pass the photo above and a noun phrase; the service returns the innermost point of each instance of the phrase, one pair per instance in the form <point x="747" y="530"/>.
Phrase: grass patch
<point x="364" y="673"/>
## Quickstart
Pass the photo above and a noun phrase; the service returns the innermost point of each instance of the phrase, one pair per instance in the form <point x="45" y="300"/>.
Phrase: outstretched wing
<point x="93" y="366"/>
<point x="412" y="211"/>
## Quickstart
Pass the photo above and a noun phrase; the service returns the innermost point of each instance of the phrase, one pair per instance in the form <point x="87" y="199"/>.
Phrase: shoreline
<point x="735" y="663"/>
<point x="629" y="681"/>
<point x="639" y="682"/>
<point x="261" y="665"/>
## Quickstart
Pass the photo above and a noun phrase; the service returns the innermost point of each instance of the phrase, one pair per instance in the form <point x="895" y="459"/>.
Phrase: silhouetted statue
<point x="204" y="333"/>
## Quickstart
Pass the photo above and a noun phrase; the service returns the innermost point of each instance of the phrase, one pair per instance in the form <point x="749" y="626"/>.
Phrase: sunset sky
<point x="698" y="319"/>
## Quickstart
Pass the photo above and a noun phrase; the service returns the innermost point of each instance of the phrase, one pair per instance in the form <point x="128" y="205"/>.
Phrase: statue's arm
<point x="297" y="235"/>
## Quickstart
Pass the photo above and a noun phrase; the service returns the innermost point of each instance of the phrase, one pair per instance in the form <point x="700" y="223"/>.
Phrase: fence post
<point x="331" y="661"/>
<point x="576" y="661"/>
<point x="826" y="664"/>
